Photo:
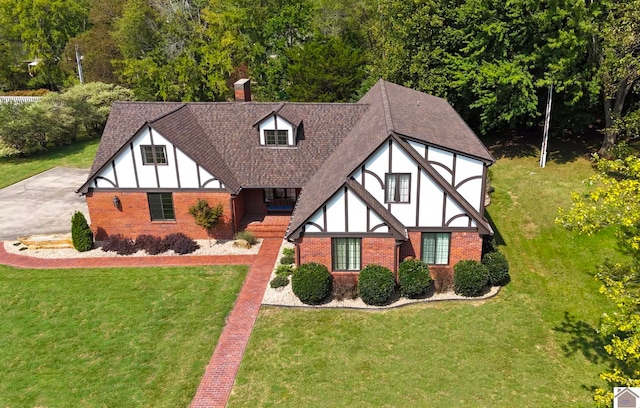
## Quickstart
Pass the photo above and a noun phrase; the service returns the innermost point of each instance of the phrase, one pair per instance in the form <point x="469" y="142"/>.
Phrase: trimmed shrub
<point x="180" y="243"/>
<point x="247" y="236"/>
<point x="81" y="234"/>
<point x="311" y="283"/>
<point x="284" y="270"/>
<point x="119" y="244"/>
<point x="376" y="285"/>
<point x="498" y="268"/>
<point x="470" y="278"/>
<point x="151" y="244"/>
<point x="287" y="260"/>
<point x="288" y="251"/>
<point x="345" y="287"/>
<point x="279" y="281"/>
<point x="414" y="278"/>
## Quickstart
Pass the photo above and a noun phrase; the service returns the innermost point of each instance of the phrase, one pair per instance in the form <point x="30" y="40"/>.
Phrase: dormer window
<point x="276" y="137"/>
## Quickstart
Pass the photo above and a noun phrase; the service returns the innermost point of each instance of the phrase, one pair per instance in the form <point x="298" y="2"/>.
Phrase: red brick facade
<point x="375" y="250"/>
<point x="382" y="251"/>
<point x="133" y="217"/>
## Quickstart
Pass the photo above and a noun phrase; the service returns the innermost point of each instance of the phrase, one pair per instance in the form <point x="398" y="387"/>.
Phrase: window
<point x="435" y="248"/>
<point x="161" y="206"/>
<point x="346" y="254"/>
<point x="276" y="137"/>
<point x="153" y="154"/>
<point x="271" y="194"/>
<point x="397" y="188"/>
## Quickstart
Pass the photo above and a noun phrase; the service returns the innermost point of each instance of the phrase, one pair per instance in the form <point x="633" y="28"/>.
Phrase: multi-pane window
<point x="161" y="206"/>
<point x="346" y="254"/>
<point x="156" y="154"/>
<point x="397" y="190"/>
<point x="276" y="137"/>
<point x="435" y="248"/>
<point x="271" y="194"/>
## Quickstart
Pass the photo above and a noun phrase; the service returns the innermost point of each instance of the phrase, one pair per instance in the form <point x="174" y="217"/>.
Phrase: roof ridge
<point x="388" y="119"/>
<point x="167" y="114"/>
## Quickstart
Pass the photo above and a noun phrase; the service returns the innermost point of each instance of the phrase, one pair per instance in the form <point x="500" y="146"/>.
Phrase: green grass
<point x="110" y="337"/>
<point x="533" y="345"/>
<point x="79" y="154"/>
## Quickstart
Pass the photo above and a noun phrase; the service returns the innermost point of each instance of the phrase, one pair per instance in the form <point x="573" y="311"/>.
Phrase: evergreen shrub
<point x="414" y="278"/>
<point x="470" y="278"/>
<point x="498" y="268"/>
<point x="376" y="285"/>
<point x="81" y="234"/>
<point x="311" y="283"/>
<point x="279" y="281"/>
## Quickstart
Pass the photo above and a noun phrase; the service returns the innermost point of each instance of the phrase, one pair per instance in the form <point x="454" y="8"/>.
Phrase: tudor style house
<point x="397" y="174"/>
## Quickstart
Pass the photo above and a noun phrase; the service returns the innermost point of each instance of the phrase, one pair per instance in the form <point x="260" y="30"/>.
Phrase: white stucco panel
<point x="167" y="175"/>
<point x="378" y="163"/>
<point x="467" y="167"/>
<point x="471" y="191"/>
<point x="318" y="219"/>
<point x="418" y="147"/>
<point x="208" y="180"/>
<point x="188" y="170"/>
<point x="357" y="213"/>
<point x="106" y="178"/>
<point x="336" y="213"/>
<point x="374" y="221"/>
<point x="431" y="202"/>
<point x="453" y="210"/>
<point x="275" y="122"/>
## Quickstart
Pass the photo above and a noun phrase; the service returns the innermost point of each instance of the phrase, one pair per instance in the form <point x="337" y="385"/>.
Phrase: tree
<point x="206" y="216"/>
<point x="614" y="200"/>
<point x="81" y="234"/>
<point x="324" y="70"/>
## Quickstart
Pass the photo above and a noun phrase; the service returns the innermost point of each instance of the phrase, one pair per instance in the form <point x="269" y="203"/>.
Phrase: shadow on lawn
<point x="563" y="146"/>
<point x="583" y="339"/>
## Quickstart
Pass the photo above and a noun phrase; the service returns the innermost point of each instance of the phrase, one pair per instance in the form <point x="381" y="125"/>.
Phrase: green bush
<point x="288" y="251"/>
<point x="498" y="268"/>
<point x="376" y="285"/>
<point x="311" y="283"/>
<point x="414" y="278"/>
<point x="247" y="236"/>
<point x="470" y="278"/>
<point x="279" y="281"/>
<point x="287" y="260"/>
<point x="284" y="270"/>
<point x="81" y="234"/>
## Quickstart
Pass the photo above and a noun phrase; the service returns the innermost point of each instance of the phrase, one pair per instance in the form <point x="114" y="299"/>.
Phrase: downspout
<point x="397" y="259"/>
<point x="297" y="244"/>
<point x="232" y="205"/>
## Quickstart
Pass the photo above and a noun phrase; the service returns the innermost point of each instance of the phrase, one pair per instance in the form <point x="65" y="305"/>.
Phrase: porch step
<point x="266" y="226"/>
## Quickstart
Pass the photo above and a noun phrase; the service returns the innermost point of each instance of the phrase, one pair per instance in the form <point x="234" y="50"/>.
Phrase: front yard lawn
<point x="119" y="337"/>
<point x="534" y="345"/>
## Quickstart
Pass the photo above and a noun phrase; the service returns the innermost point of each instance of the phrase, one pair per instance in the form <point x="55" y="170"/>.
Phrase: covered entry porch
<point x="265" y="212"/>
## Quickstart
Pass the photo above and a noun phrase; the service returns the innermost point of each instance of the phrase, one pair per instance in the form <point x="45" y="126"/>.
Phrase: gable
<point x="276" y="123"/>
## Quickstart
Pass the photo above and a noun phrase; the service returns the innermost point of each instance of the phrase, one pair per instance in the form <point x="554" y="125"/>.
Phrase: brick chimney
<point x="242" y="90"/>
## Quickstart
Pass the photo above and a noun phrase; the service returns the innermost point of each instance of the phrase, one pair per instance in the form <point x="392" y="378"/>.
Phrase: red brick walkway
<point x="218" y="379"/>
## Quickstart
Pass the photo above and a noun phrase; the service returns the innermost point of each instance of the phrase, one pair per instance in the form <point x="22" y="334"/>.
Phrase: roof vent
<point x="242" y="90"/>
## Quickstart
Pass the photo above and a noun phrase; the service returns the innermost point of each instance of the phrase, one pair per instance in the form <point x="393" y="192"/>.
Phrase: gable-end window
<point x="435" y="248"/>
<point x="345" y="254"/>
<point x="397" y="190"/>
<point x="156" y="154"/>
<point x="276" y="137"/>
<point x="161" y="206"/>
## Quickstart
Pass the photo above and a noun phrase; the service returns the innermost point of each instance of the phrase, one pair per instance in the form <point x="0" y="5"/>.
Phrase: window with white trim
<point x="153" y="154"/>
<point x="397" y="187"/>
<point x="161" y="206"/>
<point x="276" y="137"/>
<point x="345" y="254"/>
<point x="435" y="248"/>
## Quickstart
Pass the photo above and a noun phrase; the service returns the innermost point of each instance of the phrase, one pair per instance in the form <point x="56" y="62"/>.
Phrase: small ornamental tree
<point x="205" y="216"/>
<point x="81" y="234"/>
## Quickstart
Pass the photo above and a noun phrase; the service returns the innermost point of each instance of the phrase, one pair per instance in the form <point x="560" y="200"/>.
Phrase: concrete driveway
<point x="42" y="204"/>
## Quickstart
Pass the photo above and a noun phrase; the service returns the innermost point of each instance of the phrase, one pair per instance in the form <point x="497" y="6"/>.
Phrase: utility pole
<point x="79" y="62"/>
<point x="545" y="136"/>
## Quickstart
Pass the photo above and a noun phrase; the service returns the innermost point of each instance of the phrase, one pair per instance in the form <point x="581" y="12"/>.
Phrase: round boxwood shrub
<point x="279" y="281"/>
<point x="376" y="285"/>
<point x="81" y="235"/>
<point x="498" y="268"/>
<point x="414" y="278"/>
<point x="470" y="278"/>
<point x="311" y="283"/>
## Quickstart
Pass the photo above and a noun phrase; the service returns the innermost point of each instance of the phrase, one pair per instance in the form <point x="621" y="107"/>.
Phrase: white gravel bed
<point x="215" y="248"/>
<point x="285" y="297"/>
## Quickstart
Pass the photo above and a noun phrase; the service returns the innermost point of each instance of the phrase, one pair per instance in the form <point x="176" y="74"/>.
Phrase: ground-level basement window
<point x="345" y="254"/>
<point x="161" y="206"/>
<point x="435" y="248"/>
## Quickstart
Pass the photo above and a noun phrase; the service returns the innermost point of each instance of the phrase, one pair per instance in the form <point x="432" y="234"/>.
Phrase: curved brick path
<point x="218" y="379"/>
